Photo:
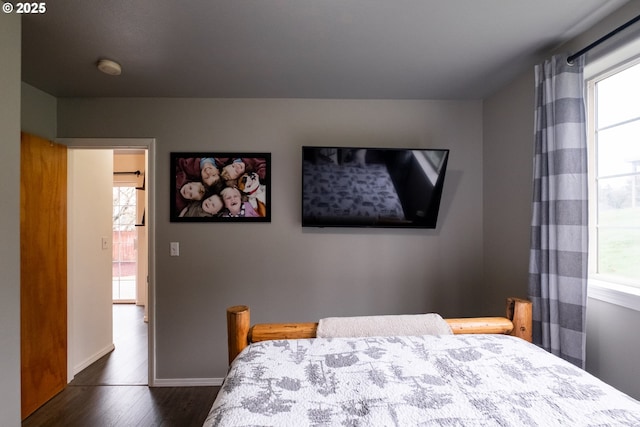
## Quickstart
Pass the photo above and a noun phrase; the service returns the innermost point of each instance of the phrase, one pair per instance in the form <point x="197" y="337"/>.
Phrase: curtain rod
<point x="137" y="173"/>
<point x="602" y="39"/>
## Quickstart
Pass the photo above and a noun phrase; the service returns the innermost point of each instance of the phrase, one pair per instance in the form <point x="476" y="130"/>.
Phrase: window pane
<point x="618" y="97"/>
<point x="619" y="149"/>
<point x="615" y="150"/>
<point x="124" y="207"/>
<point x="127" y="214"/>
<point x="618" y="252"/>
<point x="619" y="201"/>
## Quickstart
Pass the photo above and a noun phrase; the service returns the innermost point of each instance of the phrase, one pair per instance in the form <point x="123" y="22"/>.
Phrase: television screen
<point x="372" y="187"/>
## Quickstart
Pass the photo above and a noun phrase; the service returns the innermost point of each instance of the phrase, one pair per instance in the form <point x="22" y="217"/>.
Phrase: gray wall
<point x="613" y="344"/>
<point x="38" y="112"/>
<point x="507" y="174"/>
<point x="10" y="220"/>
<point x="283" y="272"/>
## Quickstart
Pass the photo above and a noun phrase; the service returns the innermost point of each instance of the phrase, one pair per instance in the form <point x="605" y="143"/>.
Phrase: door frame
<point x="148" y="144"/>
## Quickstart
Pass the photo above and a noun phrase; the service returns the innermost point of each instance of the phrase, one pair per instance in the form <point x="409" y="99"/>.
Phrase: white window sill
<point x="625" y="296"/>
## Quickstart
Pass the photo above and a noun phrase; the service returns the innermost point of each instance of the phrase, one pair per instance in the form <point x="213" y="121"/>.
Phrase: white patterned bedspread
<point x="461" y="380"/>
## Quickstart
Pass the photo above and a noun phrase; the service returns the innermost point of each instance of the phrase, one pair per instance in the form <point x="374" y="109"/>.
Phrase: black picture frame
<point x="240" y="193"/>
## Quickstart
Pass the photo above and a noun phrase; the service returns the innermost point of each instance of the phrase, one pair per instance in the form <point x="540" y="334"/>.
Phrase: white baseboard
<point x="91" y="359"/>
<point x="169" y="382"/>
<point x="186" y="382"/>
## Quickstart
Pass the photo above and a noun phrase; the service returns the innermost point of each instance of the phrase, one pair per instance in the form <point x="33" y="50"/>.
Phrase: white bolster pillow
<point x="392" y="325"/>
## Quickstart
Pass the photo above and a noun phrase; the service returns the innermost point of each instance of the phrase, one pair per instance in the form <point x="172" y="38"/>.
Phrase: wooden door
<point x="43" y="271"/>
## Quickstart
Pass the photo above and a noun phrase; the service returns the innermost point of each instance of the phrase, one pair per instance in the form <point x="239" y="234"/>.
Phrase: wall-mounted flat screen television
<point x="372" y="187"/>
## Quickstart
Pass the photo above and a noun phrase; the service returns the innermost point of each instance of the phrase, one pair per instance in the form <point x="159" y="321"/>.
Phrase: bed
<point x="484" y="372"/>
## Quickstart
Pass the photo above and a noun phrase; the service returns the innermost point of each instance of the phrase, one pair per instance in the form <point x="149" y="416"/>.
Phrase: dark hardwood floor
<point x="113" y="391"/>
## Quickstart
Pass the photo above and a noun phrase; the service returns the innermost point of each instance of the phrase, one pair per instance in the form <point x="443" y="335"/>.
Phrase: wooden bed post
<point x="519" y="311"/>
<point x="238" y="324"/>
<point x="518" y="322"/>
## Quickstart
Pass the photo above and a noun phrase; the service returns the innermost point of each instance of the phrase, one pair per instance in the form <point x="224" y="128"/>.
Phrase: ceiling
<point x="359" y="49"/>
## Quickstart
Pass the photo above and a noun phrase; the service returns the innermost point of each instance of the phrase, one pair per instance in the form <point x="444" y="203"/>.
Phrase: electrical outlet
<point x="175" y="249"/>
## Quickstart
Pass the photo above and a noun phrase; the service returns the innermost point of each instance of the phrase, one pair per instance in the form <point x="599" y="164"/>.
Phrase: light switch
<point x="105" y="243"/>
<point x="175" y="249"/>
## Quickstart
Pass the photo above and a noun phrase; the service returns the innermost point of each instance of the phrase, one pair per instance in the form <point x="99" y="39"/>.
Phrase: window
<point x="125" y="255"/>
<point x="614" y="177"/>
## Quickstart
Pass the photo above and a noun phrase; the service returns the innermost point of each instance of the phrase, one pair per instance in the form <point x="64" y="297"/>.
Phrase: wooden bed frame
<point x="240" y="333"/>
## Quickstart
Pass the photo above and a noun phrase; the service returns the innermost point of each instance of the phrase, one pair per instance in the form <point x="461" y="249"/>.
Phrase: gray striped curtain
<point x="558" y="257"/>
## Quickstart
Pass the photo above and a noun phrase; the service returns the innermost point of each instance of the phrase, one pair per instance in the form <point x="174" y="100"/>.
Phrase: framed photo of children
<point x="220" y="187"/>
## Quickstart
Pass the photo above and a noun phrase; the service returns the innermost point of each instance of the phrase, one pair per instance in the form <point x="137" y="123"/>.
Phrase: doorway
<point x="129" y="284"/>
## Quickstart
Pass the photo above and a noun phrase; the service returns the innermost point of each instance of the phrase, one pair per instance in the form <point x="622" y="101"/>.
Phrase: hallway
<point x="113" y="391"/>
<point x="127" y="364"/>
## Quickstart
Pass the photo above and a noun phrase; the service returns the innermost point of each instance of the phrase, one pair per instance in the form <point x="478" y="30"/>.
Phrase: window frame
<point x="600" y="286"/>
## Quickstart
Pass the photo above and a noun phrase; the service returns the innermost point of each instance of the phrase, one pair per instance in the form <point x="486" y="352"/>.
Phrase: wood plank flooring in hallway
<point x="113" y="391"/>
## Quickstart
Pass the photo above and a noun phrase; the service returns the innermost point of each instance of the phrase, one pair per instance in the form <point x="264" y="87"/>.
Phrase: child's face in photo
<point x="192" y="191"/>
<point x="210" y="174"/>
<point x="232" y="200"/>
<point x="234" y="170"/>
<point x="212" y="204"/>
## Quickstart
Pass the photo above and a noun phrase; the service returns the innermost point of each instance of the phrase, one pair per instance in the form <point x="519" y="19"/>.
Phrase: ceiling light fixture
<point x="110" y="67"/>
